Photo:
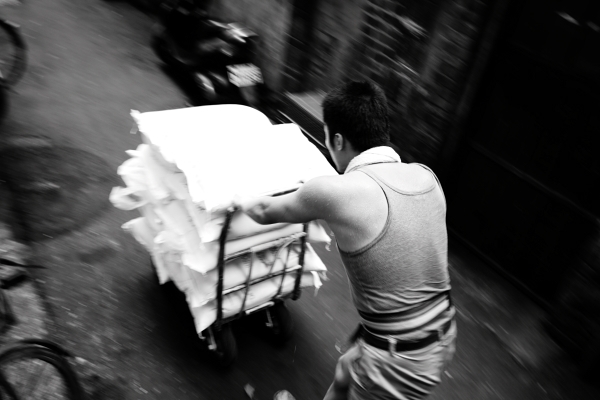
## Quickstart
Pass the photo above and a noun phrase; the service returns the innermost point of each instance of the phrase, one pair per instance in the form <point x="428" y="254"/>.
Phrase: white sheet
<point x="202" y="257"/>
<point x="194" y="162"/>
<point x="229" y="150"/>
<point x="206" y="315"/>
<point x="200" y="289"/>
<point x="148" y="182"/>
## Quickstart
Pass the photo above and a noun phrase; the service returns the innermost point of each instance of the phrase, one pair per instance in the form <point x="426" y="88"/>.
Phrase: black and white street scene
<point x="299" y="199"/>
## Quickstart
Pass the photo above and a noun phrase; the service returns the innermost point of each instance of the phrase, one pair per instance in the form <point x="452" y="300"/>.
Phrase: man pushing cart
<point x="389" y="221"/>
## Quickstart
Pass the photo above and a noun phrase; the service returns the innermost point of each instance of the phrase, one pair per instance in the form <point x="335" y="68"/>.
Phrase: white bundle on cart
<point x="183" y="179"/>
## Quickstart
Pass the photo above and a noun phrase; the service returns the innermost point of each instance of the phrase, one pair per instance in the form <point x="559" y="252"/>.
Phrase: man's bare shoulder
<point x="336" y="192"/>
<point x="352" y="204"/>
<point x="330" y="186"/>
<point x="323" y="197"/>
<point x="321" y="190"/>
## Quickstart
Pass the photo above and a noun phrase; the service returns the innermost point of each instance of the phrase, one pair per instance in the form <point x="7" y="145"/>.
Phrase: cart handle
<point x="296" y="294"/>
<point x="286" y="191"/>
<point x="234" y="208"/>
<point x="221" y="265"/>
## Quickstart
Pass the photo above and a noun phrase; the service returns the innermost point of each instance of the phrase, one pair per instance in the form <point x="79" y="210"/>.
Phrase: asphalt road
<point x="90" y="63"/>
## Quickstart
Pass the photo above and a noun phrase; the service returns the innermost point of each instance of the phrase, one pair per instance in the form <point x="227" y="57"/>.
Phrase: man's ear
<point x="339" y="142"/>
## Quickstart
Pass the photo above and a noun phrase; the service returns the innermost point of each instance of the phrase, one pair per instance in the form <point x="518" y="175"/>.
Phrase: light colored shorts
<point x="379" y="374"/>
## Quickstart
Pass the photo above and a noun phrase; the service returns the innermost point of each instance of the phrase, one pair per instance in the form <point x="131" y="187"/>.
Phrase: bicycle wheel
<point x="37" y="370"/>
<point x="12" y="54"/>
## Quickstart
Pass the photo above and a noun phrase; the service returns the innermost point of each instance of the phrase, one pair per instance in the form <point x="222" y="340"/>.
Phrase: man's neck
<point x="374" y="155"/>
<point x="348" y="159"/>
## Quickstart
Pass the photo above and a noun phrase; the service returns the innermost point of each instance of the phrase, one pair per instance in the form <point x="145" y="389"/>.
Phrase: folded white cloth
<point x="231" y="150"/>
<point x="206" y="315"/>
<point x="202" y="257"/>
<point x="201" y="289"/>
<point x="151" y="185"/>
<point x="179" y="225"/>
<point x="192" y="164"/>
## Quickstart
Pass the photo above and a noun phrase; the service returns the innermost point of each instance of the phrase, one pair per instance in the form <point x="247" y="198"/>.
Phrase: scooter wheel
<point x="226" y="351"/>
<point x="281" y="323"/>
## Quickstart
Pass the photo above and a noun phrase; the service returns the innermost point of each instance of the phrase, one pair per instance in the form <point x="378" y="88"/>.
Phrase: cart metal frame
<point x="216" y="330"/>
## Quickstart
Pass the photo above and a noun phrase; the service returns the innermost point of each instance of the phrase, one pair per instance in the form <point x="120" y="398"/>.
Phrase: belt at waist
<point x="407" y="315"/>
<point x="411" y="321"/>
<point x="394" y="345"/>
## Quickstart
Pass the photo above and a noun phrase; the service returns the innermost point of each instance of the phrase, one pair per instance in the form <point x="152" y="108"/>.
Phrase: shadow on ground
<point x="54" y="189"/>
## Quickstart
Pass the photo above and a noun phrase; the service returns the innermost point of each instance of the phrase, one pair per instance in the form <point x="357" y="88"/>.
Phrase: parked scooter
<point x="220" y="58"/>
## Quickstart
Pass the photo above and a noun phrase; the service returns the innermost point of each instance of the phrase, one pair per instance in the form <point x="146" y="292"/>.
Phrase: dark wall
<point x="523" y="188"/>
<point x="421" y="53"/>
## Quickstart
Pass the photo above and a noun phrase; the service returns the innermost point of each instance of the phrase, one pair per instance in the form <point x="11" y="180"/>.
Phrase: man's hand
<point x="244" y="202"/>
<point x="253" y="206"/>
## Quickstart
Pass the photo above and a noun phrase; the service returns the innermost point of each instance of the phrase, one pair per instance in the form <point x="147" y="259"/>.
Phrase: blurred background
<point x="499" y="97"/>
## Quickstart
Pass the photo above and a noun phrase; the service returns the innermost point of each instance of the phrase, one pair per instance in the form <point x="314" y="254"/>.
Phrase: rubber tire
<point x="283" y="323"/>
<point x="226" y="351"/>
<point x="50" y="356"/>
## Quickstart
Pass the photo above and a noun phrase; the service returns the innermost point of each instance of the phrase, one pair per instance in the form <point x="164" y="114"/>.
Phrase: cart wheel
<point x="281" y="322"/>
<point x="226" y="350"/>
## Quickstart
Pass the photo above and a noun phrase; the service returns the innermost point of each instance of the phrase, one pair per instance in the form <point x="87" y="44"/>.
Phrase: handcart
<point x="255" y="145"/>
<point x="219" y="336"/>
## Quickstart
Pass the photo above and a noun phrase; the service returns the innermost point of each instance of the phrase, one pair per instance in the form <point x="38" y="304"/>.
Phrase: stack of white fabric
<point x="182" y="179"/>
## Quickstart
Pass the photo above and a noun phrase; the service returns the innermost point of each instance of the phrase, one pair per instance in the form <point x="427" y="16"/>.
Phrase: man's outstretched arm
<point x="310" y="202"/>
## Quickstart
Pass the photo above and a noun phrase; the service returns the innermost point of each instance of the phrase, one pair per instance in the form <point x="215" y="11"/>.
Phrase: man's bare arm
<point x="311" y="201"/>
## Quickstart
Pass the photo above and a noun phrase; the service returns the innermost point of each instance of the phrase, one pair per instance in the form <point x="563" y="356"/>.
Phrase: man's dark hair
<point x="358" y="111"/>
